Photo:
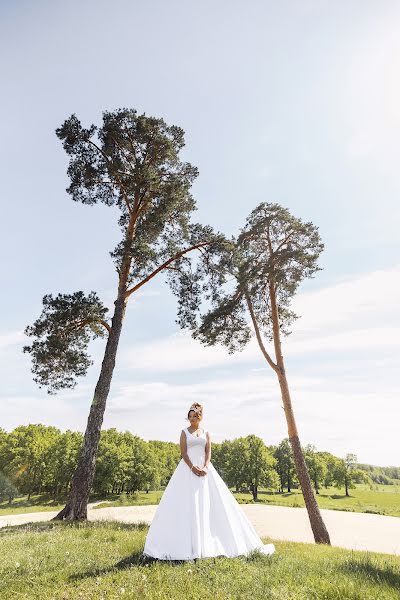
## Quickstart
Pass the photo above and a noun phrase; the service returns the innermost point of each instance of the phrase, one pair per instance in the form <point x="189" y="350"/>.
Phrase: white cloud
<point x="231" y="404"/>
<point x="10" y="339"/>
<point x="25" y="409"/>
<point x="361" y="339"/>
<point x="355" y="314"/>
<point x="333" y="415"/>
<point x="359" y="300"/>
<point x="177" y="352"/>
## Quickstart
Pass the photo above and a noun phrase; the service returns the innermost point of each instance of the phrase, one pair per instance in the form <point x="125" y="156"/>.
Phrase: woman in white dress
<point x="198" y="516"/>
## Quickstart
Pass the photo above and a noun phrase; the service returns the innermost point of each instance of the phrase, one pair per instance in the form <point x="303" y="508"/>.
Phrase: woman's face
<point x="194" y="419"/>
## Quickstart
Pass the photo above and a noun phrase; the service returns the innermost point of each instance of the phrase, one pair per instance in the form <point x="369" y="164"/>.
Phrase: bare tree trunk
<point x="76" y="506"/>
<point x="255" y="492"/>
<point x="320" y="532"/>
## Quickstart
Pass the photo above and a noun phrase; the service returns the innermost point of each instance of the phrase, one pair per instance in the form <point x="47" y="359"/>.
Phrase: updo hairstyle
<point x="198" y="409"/>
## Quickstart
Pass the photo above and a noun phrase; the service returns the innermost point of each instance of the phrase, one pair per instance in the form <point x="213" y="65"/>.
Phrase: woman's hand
<point x="198" y="471"/>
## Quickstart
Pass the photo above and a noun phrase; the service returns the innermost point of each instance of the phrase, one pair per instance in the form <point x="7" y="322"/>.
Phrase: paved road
<point x="358" y="531"/>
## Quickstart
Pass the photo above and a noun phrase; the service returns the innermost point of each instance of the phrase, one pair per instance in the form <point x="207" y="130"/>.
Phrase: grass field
<point x="103" y="560"/>
<point x="385" y="500"/>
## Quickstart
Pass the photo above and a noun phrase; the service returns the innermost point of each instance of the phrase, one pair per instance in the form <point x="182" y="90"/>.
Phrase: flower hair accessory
<point x="196" y="409"/>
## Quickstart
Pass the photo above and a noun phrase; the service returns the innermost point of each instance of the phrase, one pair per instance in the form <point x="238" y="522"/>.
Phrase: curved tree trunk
<point x="76" y="506"/>
<point x="320" y="532"/>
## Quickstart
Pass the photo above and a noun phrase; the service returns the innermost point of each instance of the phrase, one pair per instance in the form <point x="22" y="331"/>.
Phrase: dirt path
<point x="358" y="531"/>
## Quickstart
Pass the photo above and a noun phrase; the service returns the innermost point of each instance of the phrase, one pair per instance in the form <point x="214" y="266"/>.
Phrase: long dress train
<point x="198" y="516"/>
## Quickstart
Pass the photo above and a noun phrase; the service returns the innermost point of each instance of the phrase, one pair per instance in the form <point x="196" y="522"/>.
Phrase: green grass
<point x="384" y="500"/>
<point x="136" y="499"/>
<point x="88" y="561"/>
<point x="44" y="503"/>
<point x="39" y="503"/>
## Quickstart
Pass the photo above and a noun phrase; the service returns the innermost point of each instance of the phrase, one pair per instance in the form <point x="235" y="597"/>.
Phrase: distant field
<point x="384" y="501"/>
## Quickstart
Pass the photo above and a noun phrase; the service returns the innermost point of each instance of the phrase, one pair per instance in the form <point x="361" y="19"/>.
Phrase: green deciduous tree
<point x="316" y="466"/>
<point x="260" y="465"/>
<point x="346" y="473"/>
<point x="63" y="458"/>
<point x="231" y="462"/>
<point x="30" y="454"/>
<point x="285" y="465"/>
<point x="245" y="462"/>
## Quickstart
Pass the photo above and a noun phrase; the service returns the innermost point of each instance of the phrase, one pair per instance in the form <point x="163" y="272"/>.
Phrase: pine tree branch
<point x="80" y="324"/>
<point x="258" y="334"/>
<point x="121" y="186"/>
<point x="105" y="324"/>
<point x="164" y="266"/>
<point x="284" y="241"/>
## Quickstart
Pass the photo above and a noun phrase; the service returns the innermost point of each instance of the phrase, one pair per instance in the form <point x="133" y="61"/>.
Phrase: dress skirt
<point x="198" y="516"/>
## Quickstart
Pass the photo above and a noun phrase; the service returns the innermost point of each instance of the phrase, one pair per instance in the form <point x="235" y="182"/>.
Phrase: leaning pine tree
<point x="131" y="162"/>
<point x="259" y="273"/>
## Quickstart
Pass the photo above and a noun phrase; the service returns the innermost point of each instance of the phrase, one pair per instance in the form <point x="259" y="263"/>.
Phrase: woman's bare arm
<point x="207" y="459"/>
<point x="185" y="456"/>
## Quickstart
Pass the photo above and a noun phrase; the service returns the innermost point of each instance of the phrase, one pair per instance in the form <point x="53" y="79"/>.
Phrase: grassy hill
<point x="90" y="561"/>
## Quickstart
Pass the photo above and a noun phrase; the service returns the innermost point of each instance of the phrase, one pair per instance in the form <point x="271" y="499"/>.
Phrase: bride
<point x="198" y="516"/>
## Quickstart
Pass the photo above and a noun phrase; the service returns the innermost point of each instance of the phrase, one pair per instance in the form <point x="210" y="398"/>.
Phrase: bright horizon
<point x="293" y="104"/>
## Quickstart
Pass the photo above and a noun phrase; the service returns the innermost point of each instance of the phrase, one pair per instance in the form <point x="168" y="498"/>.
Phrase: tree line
<point x="40" y="459"/>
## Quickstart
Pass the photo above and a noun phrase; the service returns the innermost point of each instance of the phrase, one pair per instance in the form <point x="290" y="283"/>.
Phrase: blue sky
<point x="290" y="102"/>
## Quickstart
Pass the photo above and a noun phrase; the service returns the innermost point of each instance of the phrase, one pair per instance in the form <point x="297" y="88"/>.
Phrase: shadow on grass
<point x="139" y="559"/>
<point x="35" y="501"/>
<point x="30" y="527"/>
<point x="336" y="496"/>
<point x="43" y="526"/>
<point x="365" y="565"/>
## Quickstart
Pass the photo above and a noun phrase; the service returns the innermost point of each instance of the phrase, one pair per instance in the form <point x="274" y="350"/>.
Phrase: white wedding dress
<point x="198" y="516"/>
